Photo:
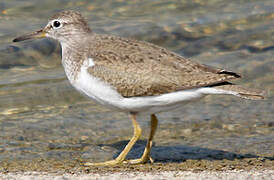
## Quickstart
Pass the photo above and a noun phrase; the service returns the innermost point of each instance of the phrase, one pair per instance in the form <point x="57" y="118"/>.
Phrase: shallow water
<point x="42" y="116"/>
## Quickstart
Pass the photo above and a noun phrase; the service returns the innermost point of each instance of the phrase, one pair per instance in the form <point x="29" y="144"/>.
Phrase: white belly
<point x="108" y="96"/>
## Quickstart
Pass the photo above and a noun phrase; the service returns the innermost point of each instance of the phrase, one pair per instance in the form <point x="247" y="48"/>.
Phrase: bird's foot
<point x="141" y="160"/>
<point x="106" y="163"/>
<point x="115" y="162"/>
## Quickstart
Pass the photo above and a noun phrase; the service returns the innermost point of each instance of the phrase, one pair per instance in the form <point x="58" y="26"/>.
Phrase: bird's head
<point x="62" y="27"/>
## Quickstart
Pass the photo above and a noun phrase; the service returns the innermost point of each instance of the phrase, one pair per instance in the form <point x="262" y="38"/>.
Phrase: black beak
<point x="35" y="35"/>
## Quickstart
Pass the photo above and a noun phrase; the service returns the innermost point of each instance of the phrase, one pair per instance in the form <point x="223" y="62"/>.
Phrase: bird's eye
<point x="56" y="24"/>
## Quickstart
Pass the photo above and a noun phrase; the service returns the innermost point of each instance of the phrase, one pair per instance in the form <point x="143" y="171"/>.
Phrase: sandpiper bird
<point x="132" y="76"/>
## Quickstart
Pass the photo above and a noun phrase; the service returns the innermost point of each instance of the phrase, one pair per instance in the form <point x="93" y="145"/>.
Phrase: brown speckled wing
<point x="136" y="68"/>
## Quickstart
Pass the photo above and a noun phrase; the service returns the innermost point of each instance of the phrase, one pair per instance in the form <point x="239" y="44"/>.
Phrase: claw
<point x="106" y="163"/>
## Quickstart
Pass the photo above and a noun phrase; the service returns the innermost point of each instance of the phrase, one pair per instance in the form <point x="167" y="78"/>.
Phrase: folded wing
<point x="136" y="68"/>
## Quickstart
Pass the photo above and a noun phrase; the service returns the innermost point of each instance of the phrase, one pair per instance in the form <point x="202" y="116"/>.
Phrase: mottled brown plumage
<point x="134" y="68"/>
<point x="137" y="68"/>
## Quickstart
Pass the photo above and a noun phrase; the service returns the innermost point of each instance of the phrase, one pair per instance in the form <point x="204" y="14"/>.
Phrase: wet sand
<point x="242" y="168"/>
<point x="249" y="168"/>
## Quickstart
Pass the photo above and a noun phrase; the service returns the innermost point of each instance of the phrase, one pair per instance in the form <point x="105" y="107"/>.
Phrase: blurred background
<point x="42" y="116"/>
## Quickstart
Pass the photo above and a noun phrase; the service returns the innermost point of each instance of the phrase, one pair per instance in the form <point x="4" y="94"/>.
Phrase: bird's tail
<point x="240" y="91"/>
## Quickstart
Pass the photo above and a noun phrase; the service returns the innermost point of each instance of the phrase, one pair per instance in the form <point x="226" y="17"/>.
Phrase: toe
<point x="106" y="163"/>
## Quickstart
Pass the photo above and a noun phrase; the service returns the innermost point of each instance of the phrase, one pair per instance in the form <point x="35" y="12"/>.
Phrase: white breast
<point x="95" y="88"/>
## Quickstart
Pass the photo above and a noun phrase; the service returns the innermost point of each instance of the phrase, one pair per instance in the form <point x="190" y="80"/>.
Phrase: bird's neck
<point x="73" y="51"/>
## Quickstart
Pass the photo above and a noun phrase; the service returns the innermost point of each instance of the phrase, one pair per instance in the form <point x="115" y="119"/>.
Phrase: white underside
<point x="108" y="96"/>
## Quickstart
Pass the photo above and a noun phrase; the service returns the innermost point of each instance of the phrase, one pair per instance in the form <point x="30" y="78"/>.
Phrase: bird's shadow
<point x="178" y="153"/>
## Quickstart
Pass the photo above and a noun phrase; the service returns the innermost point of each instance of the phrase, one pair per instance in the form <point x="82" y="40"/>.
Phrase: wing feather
<point x="136" y="68"/>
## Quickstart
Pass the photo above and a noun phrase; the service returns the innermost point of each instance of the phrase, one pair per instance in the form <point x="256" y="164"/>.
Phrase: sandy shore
<point x="188" y="175"/>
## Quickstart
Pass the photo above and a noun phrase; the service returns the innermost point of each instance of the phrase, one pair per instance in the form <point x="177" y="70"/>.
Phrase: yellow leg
<point x="123" y="154"/>
<point x="146" y="155"/>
